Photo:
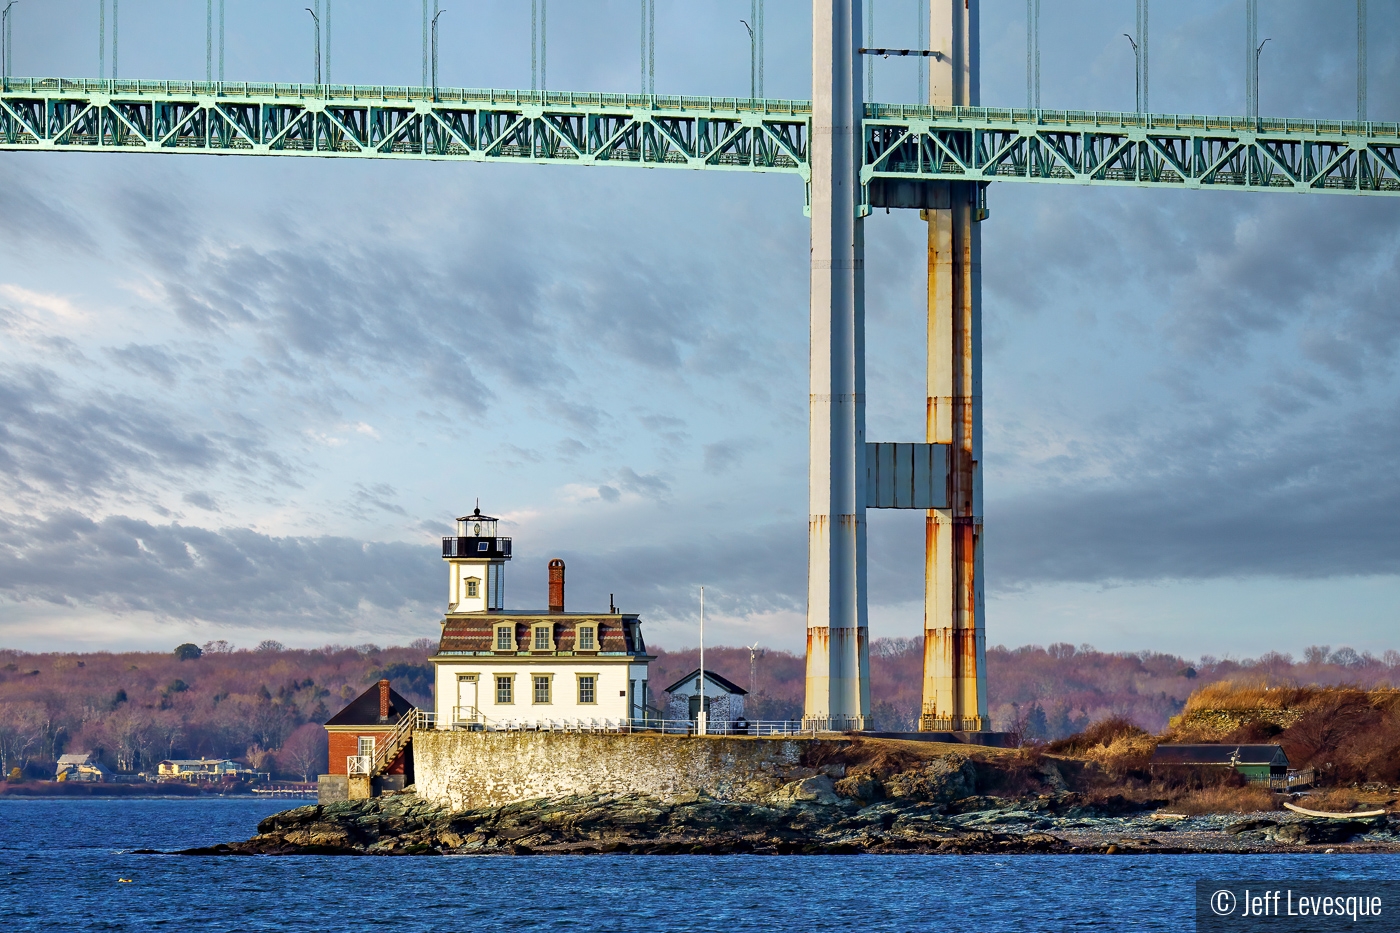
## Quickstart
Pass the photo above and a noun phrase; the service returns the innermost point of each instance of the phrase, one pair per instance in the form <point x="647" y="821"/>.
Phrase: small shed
<point x="1255" y="762"/>
<point x="724" y="699"/>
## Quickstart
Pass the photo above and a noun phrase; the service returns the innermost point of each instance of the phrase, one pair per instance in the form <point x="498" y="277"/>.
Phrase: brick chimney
<point x="556" y="585"/>
<point x="384" y="701"/>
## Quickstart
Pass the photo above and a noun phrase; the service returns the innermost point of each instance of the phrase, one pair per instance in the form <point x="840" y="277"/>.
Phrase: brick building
<point x="361" y="727"/>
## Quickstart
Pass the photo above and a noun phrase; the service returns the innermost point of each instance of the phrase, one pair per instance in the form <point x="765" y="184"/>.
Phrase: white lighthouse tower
<point x="476" y="560"/>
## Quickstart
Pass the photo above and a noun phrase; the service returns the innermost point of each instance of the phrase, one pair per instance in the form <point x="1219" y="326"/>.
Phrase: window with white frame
<point x="588" y="688"/>
<point x="505" y="689"/>
<point x="587" y="638"/>
<point x="473" y="587"/>
<point x="505" y="638"/>
<point x="542" y="640"/>
<point x="541" y="688"/>
<point x="366" y="746"/>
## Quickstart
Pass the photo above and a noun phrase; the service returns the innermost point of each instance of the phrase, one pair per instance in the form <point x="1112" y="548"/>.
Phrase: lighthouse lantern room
<point x="476" y="559"/>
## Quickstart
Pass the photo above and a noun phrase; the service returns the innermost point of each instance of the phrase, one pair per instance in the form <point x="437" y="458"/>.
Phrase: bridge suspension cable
<point x="1361" y="61"/>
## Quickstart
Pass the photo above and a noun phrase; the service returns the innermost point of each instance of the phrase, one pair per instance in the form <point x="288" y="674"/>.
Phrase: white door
<point x="466" y="699"/>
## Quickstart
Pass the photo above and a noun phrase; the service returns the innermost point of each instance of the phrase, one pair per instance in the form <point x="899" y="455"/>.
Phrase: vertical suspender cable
<point x="1251" y="58"/>
<point x="1142" y="55"/>
<point x="1030" y="54"/>
<point x="427" y="18"/>
<point x="544" y="47"/>
<point x="101" y="39"/>
<point x="328" y="41"/>
<point x="221" y="40"/>
<point x="1037" y="54"/>
<point x="760" y="48"/>
<point x="1142" y="40"/>
<point x="921" y="14"/>
<point x="869" y="41"/>
<point x="1361" y="61"/>
<point x="651" y="46"/>
<point x="753" y="49"/>
<point x="642" y="46"/>
<point x="209" y="40"/>
<point x="534" y="44"/>
<point x="114" y="38"/>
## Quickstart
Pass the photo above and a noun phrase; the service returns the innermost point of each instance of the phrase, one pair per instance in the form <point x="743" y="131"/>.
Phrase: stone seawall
<point x="467" y="770"/>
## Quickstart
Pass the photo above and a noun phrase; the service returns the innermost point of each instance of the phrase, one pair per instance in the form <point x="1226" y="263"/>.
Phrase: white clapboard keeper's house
<point x="498" y="668"/>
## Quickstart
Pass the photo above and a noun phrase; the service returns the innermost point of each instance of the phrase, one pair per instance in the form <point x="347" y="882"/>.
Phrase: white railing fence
<point x="359" y="764"/>
<point x="665" y="726"/>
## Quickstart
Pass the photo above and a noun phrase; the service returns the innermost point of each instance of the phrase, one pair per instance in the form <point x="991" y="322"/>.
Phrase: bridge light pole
<point x="1137" y="74"/>
<point x="753" y="60"/>
<point x="435" y="48"/>
<point x="317" y="20"/>
<point x="1257" y="52"/>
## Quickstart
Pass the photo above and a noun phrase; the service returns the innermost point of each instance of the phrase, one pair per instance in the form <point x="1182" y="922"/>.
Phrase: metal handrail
<point x="665" y="726"/>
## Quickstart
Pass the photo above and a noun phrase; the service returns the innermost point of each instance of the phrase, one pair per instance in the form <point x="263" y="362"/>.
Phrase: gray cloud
<point x="152" y="361"/>
<point x="1315" y="503"/>
<point x="722" y="457"/>
<point x="201" y="500"/>
<point x="56" y="439"/>
<point x="234" y="576"/>
<point x="377" y="497"/>
<point x="648" y="485"/>
<point x="754" y="569"/>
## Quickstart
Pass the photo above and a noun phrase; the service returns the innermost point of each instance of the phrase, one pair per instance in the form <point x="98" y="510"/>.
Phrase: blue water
<point x="60" y="861"/>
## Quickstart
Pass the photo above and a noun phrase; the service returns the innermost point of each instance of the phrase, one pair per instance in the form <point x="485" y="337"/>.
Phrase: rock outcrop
<point x="928" y="805"/>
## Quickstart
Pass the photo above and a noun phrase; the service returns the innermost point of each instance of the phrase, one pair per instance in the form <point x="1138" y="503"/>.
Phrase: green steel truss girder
<point x="1142" y="150"/>
<point x="405" y="123"/>
<point x="901" y="142"/>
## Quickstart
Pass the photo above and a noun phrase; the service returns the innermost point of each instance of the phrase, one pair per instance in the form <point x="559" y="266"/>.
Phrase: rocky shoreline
<point x="931" y="809"/>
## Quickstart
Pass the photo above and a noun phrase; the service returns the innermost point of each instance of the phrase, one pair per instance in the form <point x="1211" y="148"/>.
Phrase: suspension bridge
<point x="853" y="156"/>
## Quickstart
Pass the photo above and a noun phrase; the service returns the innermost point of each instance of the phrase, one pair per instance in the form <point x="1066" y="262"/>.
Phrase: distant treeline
<point x="265" y="706"/>
<point x="1041" y="693"/>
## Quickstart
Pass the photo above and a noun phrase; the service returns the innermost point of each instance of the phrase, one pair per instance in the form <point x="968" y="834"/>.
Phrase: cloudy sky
<point x="241" y="398"/>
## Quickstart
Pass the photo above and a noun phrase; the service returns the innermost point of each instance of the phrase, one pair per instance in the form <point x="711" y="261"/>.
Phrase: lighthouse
<point x="498" y="668"/>
<point x="476" y="560"/>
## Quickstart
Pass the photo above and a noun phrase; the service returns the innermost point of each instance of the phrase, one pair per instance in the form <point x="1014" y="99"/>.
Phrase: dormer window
<point x="543" y="641"/>
<point x="473" y="587"/>
<point x="587" y="638"/>
<point x="505" y="638"/>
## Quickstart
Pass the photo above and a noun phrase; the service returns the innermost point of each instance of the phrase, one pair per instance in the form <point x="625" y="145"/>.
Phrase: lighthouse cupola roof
<point x="476" y="525"/>
<point x="477" y="537"/>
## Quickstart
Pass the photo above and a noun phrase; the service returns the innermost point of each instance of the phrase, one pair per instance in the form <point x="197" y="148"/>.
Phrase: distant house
<point x="360" y="729"/>
<point x="81" y="767"/>
<point x="1255" y="762"/>
<point x="724" y="699"/>
<point x="197" y="769"/>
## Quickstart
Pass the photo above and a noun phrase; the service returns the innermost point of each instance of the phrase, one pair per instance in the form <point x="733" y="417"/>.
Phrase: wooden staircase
<point x="395" y="742"/>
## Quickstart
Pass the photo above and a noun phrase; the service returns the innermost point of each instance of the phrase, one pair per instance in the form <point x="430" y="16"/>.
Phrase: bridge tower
<point x="838" y="662"/>
<point x="955" y="646"/>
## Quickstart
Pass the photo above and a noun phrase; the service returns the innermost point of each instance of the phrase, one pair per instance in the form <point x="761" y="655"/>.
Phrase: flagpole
<point x="701" y="720"/>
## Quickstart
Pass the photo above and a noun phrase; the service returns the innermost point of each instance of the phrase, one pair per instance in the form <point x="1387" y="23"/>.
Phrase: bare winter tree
<point x="21" y="730"/>
<point x="305" y="751"/>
